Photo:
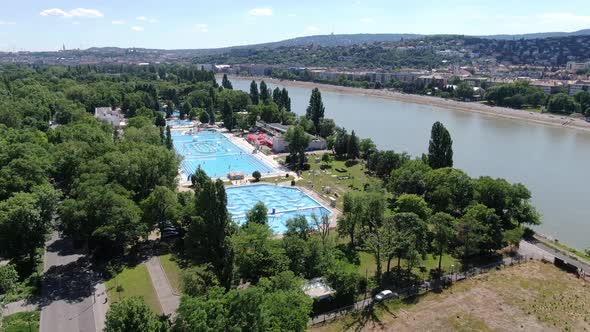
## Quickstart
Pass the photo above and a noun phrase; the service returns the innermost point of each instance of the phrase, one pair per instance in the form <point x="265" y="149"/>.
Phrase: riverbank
<point x="563" y="121"/>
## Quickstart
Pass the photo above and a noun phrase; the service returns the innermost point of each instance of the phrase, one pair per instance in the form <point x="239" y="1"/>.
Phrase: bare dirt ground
<point x="529" y="297"/>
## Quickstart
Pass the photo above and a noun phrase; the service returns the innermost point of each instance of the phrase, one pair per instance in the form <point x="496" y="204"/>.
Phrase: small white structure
<point x="112" y="116"/>
<point x="317" y="288"/>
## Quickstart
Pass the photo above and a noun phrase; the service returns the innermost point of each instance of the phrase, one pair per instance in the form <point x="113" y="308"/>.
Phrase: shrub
<point x="256" y="175"/>
<point x="293" y="183"/>
<point x="8" y="278"/>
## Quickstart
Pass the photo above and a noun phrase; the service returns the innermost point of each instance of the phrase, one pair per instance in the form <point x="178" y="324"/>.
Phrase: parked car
<point x="385" y="294"/>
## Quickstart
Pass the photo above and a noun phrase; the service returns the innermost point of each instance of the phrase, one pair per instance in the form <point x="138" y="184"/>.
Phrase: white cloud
<point x="7" y="22"/>
<point x="137" y="28"/>
<point x="366" y="20"/>
<point x="261" y="12"/>
<point x="202" y="27"/>
<point x="146" y="19"/>
<point x="119" y="22"/>
<point x="77" y="12"/>
<point x="312" y="29"/>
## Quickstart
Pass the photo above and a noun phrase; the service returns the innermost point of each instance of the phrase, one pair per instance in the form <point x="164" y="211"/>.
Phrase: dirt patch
<point x="529" y="297"/>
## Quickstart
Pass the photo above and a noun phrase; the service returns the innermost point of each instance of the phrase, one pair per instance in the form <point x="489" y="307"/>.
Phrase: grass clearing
<point x="529" y="297"/>
<point x="369" y="266"/>
<point x="172" y="270"/>
<point x="21" y="322"/>
<point x="316" y="178"/>
<point x="133" y="281"/>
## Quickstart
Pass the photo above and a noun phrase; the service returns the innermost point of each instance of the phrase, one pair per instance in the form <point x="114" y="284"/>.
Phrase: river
<point x="552" y="162"/>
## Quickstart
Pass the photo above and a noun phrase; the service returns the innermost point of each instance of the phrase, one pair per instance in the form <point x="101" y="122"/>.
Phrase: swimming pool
<point x="215" y="154"/>
<point x="179" y="123"/>
<point x="287" y="202"/>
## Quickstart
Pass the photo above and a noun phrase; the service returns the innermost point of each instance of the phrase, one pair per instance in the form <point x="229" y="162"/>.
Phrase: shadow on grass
<point x="366" y="316"/>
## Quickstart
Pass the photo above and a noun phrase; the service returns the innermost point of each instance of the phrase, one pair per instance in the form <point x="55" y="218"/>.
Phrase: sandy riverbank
<point x="523" y="115"/>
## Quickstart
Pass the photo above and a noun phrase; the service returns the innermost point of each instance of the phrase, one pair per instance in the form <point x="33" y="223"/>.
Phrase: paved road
<point x="548" y="251"/>
<point x="69" y="290"/>
<point x="18" y="306"/>
<point x="169" y="299"/>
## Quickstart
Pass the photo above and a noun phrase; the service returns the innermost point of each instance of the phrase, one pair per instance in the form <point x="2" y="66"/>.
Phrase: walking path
<point x="18" y="306"/>
<point x="73" y="296"/>
<point x="169" y="299"/>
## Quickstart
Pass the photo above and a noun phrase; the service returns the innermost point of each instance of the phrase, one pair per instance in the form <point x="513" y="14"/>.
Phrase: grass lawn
<point x="529" y="297"/>
<point x="316" y="178"/>
<point x="21" y="322"/>
<point x="134" y="281"/>
<point x="172" y="270"/>
<point x="369" y="266"/>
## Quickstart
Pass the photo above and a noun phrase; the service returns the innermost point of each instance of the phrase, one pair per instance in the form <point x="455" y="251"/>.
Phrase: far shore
<point x="557" y="120"/>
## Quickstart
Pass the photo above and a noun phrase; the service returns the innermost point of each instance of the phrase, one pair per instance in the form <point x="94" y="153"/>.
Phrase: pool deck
<point x="241" y="143"/>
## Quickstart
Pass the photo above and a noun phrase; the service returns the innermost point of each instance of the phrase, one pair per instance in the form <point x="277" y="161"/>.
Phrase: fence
<point x="426" y="286"/>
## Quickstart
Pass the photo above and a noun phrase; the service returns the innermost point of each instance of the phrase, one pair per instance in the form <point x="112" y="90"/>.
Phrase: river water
<point x="552" y="162"/>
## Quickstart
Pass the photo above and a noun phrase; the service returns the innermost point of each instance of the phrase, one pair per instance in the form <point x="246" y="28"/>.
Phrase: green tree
<point x="413" y="203"/>
<point x="479" y="232"/>
<point x="410" y="178"/>
<point x="562" y="103"/>
<point x="132" y="315"/>
<point x="225" y="83"/>
<point x="326" y="128"/>
<point x="440" y="148"/>
<point x="254" y="95"/>
<point x="367" y="147"/>
<point x="343" y="277"/>
<point x="256" y="175"/>
<point x="315" y="110"/>
<point x="297" y="141"/>
<point x="196" y="280"/>
<point x="228" y="116"/>
<point x="443" y="234"/>
<point x="207" y="239"/>
<point x="258" y="214"/>
<point x="169" y="144"/>
<point x="257" y="255"/>
<point x="159" y="207"/>
<point x="464" y="91"/>
<point x="264" y="93"/>
<point x="204" y="117"/>
<point x="352" y="148"/>
<point x="185" y="110"/>
<point x="160" y="121"/>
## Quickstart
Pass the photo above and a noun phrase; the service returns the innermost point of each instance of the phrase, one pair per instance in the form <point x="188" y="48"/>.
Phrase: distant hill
<point x="339" y="40"/>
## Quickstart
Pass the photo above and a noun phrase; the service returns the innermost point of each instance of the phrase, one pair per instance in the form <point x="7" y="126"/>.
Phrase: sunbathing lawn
<point x="21" y="322"/>
<point x="329" y="177"/>
<point x="529" y="297"/>
<point x="135" y="281"/>
<point x="172" y="271"/>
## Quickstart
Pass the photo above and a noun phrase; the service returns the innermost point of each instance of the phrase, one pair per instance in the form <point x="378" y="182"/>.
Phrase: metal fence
<point x="426" y="286"/>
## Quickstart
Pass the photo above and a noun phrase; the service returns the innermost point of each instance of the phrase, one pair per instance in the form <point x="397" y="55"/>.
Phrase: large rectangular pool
<point x="215" y="154"/>
<point x="283" y="203"/>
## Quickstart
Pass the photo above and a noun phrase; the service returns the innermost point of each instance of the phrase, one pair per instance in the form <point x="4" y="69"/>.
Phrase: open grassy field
<point x="530" y="297"/>
<point x="133" y="281"/>
<point x="369" y="266"/>
<point x="172" y="271"/>
<point x="21" y="322"/>
<point x="316" y="178"/>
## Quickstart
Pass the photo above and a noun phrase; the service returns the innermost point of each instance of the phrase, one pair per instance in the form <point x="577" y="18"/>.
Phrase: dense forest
<point x="108" y="189"/>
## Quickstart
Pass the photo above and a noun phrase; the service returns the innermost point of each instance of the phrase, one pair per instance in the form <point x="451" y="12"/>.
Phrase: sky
<point x="37" y="25"/>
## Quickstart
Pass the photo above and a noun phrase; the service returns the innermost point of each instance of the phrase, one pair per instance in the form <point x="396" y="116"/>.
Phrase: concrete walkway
<point x="18" y="306"/>
<point x="169" y="299"/>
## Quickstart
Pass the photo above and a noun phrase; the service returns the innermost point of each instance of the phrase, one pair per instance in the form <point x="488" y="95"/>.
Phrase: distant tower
<point x="63" y="47"/>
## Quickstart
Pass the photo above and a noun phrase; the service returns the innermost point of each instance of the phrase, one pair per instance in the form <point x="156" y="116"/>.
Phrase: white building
<point x="575" y="66"/>
<point x="112" y="116"/>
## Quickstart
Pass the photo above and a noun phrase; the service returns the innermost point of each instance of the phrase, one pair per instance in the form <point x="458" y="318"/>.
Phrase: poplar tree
<point x="254" y="95"/>
<point x="440" y="148"/>
<point x="315" y="110"/>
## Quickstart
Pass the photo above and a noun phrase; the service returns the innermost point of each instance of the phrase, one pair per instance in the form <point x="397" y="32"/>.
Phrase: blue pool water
<point x="287" y="202"/>
<point x="179" y="123"/>
<point x="215" y="154"/>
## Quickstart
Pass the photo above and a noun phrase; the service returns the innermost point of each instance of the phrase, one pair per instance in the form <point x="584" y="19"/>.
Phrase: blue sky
<point x="47" y="24"/>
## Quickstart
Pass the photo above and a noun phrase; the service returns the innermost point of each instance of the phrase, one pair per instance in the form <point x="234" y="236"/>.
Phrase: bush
<point x="293" y="183"/>
<point x="306" y="167"/>
<point x="256" y="175"/>
<point x="8" y="278"/>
